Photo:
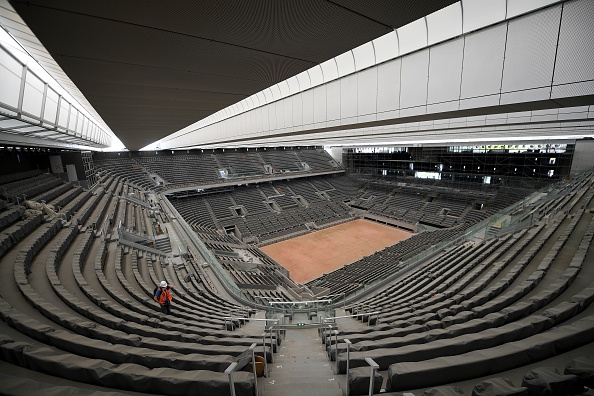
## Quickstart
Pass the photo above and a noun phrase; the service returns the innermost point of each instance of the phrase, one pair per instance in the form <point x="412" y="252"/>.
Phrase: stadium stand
<point x="273" y="210"/>
<point x="479" y="307"/>
<point x="317" y="160"/>
<point x="241" y="164"/>
<point x="67" y="320"/>
<point x="183" y="170"/>
<point x="128" y="169"/>
<point x="441" y="208"/>
<point x="498" y="299"/>
<point x="180" y="171"/>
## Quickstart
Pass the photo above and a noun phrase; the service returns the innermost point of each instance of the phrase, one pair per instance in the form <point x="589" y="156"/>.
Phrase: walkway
<point x="301" y="368"/>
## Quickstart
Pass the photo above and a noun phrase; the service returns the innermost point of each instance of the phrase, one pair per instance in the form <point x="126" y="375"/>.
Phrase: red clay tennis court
<point x="311" y="255"/>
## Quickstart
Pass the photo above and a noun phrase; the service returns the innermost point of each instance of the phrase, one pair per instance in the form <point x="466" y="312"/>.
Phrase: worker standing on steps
<point x="163" y="297"/>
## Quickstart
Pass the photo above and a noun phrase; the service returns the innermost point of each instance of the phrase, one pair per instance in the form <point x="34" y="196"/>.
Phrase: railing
<point x="341" y="296"/>
<point x="138" y="202"/>
<point x="514" y="227"/>
<point x="348" y="361"/>
<point x="134" y="236"/>
<point x="368" y="314"/>
<point x="288" y="308"/>
<point x="233" y="366"/>
<point x="229" y="371"/>
<point x="140" y="247"/>
<point x="374" y="367"/>
<point x="132" y="184"/>
<point x="469" y="234"/>
<point x="330" y="331"/>
<point x="219" y="271"/>
<point x="268" y="332"/>
<point x="172" y="188"/>
<point x="275" y="327"/>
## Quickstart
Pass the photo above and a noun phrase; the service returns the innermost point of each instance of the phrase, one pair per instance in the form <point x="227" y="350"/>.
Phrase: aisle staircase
<point x="300" y="368"/>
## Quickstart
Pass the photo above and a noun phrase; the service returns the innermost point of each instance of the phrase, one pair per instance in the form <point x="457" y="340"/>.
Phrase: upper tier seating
<point x="281" y="160"/>
<point x="318" y="160"/>
<point x="127" y="168"/>
<point x="183" y="169"/>
<point x="192" y="169"/>
<point x="241" y="164"/>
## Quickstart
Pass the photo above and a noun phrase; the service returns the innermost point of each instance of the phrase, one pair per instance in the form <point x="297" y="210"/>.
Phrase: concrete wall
<point x="335" y="153"/>
<point x="583" y="157"/>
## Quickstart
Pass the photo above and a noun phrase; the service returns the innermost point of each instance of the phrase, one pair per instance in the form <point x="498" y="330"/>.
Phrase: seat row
<point x="533" y="302"/>
<point x="79" y="337"/>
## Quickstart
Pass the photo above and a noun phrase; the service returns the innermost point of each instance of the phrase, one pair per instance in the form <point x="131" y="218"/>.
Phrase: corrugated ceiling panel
<point x="414" y="79"/>
<point x="333" y="105"/>
<point x="367" y="94"/>
<point x="531" y="40"/>
<point x="319" y="95"/>
<point x="51" y="106"/>
<point x="297" y="110"/>
<point x="479" y="13"/>
<point x="364" y="56"/>
<point x="345" y="64"/>
<point x="483" y="62"/>
<point x="575" y="55"/>
<point x="348" y="97"/>
<point x="444" y="24"/>
<point x="386" y="47"/>
<point x="412" y="36"/>
<point x="307" y="97"/>
<point x="515" y="8"/>
<point x="388" y="88"/>
<point x="288" y="112"/>
<point x="330" y="70"/>
<point x="445" y="68"/>
<point x="316" y="76"/>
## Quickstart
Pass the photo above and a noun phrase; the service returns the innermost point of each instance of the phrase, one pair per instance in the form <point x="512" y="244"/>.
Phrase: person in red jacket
<point x="163" y="297"/>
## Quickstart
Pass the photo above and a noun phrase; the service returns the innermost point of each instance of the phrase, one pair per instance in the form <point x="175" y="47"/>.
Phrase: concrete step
<point x="286" y="371"/>
<point x="316" y="356"/>
<point x="301" y="391"/>
<point x="304" y="380"/>
<point x="301" y="367"/>
<point x="302" y="387"/>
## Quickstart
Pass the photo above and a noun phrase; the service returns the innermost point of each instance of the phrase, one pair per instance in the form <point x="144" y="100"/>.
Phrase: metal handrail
<point x="252" y="348"/>
<point x="298" y="302"/>
<point x="142" y="248"/>
<point x="270" y="330"/>
<point x="335" y="332"/>
<point x="374" y="366"/>
<point x="348" y="343"/>
<point x="341" y="295"/>
<point x="313" y="307"/>
<point x="328" y="333"/>
<point x="264" y="350"/>
<point x="355" y="315"/>
<point x="209" y="258"/>
<point x="229" y="371"/>
<point x="276" y="322"/>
